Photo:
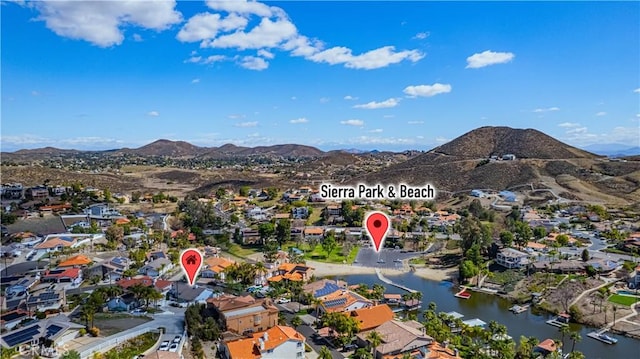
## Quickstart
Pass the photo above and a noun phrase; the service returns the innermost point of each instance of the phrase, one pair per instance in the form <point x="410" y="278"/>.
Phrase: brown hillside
<point x="168" y="148"/>
<point x="488" y="141"/>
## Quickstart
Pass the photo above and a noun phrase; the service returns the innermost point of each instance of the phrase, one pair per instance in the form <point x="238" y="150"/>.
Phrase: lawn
<point x="319" y="254"/>
<point x="623" y="299"/>
<point x="239" y="251"/>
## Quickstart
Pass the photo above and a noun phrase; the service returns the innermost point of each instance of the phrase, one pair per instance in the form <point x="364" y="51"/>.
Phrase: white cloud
<point x="415" y="122"/>
<point x="137" y="37"/>
<point x="35" y="141"/>
<point x="206" y="26"/>
<point x="421" y="35"/>
<point x="637" y="90"/>
<point x="488" y="58"/>
<point x="195" y="81"/>
<point x="377" y="130"/>
<point x="369" y="60"/>
<point x="441" y="140"/>
<point x="569" y="124"/>
<point x="101" y="22"/>
<point x="392" y="102"/>
<point x="242" y="7"/>
<point x="370" y="140"/>
<point x="266" y="54"/>
<point x="268" y="34"/>
<point x="427" y="90"/>
<point x="580" y="136"/>
<point x="254" y="63"/>
<point x="214" y="58"/>
<point x="548" y="109"/>
<point x="299" y="120"/>
<point x="601" y="113"/>
<point x="247" y="124"/>
<point x="153" y="113"/>
<point x="324" y="99"/>
<point x="353" y="122"/>
<point x="350" y="98"/>
<point x="236" y="116"/>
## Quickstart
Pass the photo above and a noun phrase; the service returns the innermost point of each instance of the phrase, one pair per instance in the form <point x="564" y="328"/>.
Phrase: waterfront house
<point x="342" y="301"/>
<point x="511" y="258"/>
<point x="295" y="272"/>
<point x="399" y="338"/>
<point x="279" y="342"/>
<point x="546" y="347"/>
<point x="372" y="317"/>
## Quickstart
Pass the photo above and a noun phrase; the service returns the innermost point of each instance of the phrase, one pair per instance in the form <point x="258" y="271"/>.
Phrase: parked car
<point x="164" y="345"/>
<point x="177" y="339"/>
<point x="138" y="312"/>
<point x="283" y="300"/>
<point x="173" y="347"/>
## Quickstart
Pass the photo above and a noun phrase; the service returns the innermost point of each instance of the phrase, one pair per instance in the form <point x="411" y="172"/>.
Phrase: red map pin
<point x="377" y="224"/>
<point x="191" y="262"/>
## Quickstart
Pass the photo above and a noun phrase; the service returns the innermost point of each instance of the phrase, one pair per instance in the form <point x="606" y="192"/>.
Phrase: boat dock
<point x="517" y="309"/>
<point x="390" y="282"/>
<point x="562" y="320"/>
<point x="463" y="294"/>
<point x="601" y="335"/>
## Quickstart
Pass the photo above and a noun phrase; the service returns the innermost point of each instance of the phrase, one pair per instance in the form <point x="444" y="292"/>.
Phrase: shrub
<point x="94" y="331"/>
<point x="82" y="332"/>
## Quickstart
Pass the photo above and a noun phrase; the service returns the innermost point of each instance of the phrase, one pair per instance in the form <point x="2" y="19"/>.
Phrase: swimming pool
<point x="628" y="292"/>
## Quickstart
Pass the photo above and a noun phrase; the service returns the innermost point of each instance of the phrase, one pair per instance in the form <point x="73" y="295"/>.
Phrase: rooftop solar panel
<point x="335" y="302"/>
<point x="327" y="289"/>
<point x="22" y="336"/>
<point x="53" y="330"/>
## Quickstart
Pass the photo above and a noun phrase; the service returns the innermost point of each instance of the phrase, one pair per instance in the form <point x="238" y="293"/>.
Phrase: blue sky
<point x="367" y="75"/>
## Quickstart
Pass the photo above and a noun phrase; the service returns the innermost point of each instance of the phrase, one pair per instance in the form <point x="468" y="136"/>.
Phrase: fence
<point x="110" y="343"/>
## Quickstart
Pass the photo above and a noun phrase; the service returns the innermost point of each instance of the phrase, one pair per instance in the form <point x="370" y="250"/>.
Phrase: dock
<point x="463" y="294"/>
<point x="390" y="282"/>
<point x="517" y="309"/>
<point x="601" y="335"/>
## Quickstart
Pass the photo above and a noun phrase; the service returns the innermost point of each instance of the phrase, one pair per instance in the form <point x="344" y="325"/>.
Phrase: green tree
<point x="324" y="353"/>
<point x="575" y="338"/>
<point x="107" y="195"/>
<point x="506" y="238"/>
<point x="283" y="231"/>
<point x="244" y="191"/>
<point x="220" y="193"/>
<point x="266" y="230"/>
<point x="272" y="192"/>
<point x="562" y="240"/>
<point x="329" y="244"/>
<point x="375" y="339"/>
<point x="585" y="255"/>
<point x="296" y="321"/>
<point x="468" y="270"/>
<point x="539" y="232"/>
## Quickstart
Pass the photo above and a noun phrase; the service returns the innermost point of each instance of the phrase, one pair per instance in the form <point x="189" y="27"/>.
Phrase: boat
<point x="463" y="294"/>
<point x="603" y="337"/>
<point x="562" y="320"/>
<point x="517" y="309"/>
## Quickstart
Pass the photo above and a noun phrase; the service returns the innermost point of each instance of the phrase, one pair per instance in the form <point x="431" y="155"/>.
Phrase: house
<point x="37" y="192"/>
<point x="156" y="267"/>
<point x="58" y="330"/>
<point x="300" y="212"/>
<point x="634" y="281"/>
<point x="508" y="196"/>
<point x="369" y="318"/>
<point x="138" y="280"/>
<point x="72" y="275"/>
<point x="75" y="261"/>
<point x="603" y="266"/>
<point x="215" y="267"/>
<point x="112" y="268"/>
<point x="333" y="210"/>
<point x="293" y="272"/>
<point x="313" y="233"/>
<point x="102" y="211"/>
<point x="250" y="236"/>
<point x="279" y="342"/>
<point x="324" y="287"/>
<point x="125" y="303"/>
<point x="511" y="258"/>
<point x="245" y="314"/>
<point x="546" y="347"/>
<point x="48" y="300"/>
<point x="478" y="193"/>
<point x="398" y="339"/>
<point x="184" y="293"/>
<point x="343" y="301"/>
<point x="256" y="213"/>
<point x="55" y="242"/>
<point x="12" y="318"/>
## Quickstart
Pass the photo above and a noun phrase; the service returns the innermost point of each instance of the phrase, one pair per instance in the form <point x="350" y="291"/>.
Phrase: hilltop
<point x="541" y="161"/>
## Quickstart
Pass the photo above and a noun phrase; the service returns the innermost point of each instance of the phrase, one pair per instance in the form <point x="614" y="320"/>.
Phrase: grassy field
<point x="240" y="252"/>
<point x="336" y="256"/>
<point x="133" y="347"/>
<point x="623" y="299"/>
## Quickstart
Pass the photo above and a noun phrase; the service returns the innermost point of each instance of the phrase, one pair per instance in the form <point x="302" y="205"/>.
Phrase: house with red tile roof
<point x="73" y="275"/>
<point x="279" y="342"/>
<point x="372" y="317"/>
<point x="245" y="314"/>
<point x="75" y="261"/>
<point x="295" y="272"/>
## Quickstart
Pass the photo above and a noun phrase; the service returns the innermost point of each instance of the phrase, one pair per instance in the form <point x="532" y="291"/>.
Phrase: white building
<point x="279" y="342"/>
<point x="511" y="258"/>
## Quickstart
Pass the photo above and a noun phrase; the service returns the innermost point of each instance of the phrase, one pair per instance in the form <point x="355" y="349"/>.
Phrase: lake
<point x="489" y="307"/>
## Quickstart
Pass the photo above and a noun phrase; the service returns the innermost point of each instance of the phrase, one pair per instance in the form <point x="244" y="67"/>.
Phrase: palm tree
<point x="564" y="330"/>
<point x="614" y="308"/>
<point x="575" y="337"/>
<point x="375" y="339"/>
<point x="325" y="353"/>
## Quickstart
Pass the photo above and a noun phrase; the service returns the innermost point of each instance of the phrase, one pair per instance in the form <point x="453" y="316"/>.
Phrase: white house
<point x="156" y="267"/>
<point x="511" y="258"/>
<point x="279" y="342"/>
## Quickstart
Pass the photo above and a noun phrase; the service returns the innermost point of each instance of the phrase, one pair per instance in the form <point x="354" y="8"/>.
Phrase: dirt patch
<point x="109" y="326"/>
<point x="179" y="176"/>
<point x="40" y="225"/>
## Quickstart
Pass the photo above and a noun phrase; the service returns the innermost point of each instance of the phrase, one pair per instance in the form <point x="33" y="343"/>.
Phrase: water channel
<point x="488" y="307"/>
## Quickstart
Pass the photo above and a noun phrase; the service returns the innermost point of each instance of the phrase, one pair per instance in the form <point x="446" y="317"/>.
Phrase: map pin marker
<point x="377" y="224"/>
<point x="191" y="262"/>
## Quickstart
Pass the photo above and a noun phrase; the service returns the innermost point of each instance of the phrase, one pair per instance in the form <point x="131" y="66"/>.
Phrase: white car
<point x="283" y="300"/>
<point x="164" y="345"/>
<point x="177" y="339"/>
<point x="174" y="347"/>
